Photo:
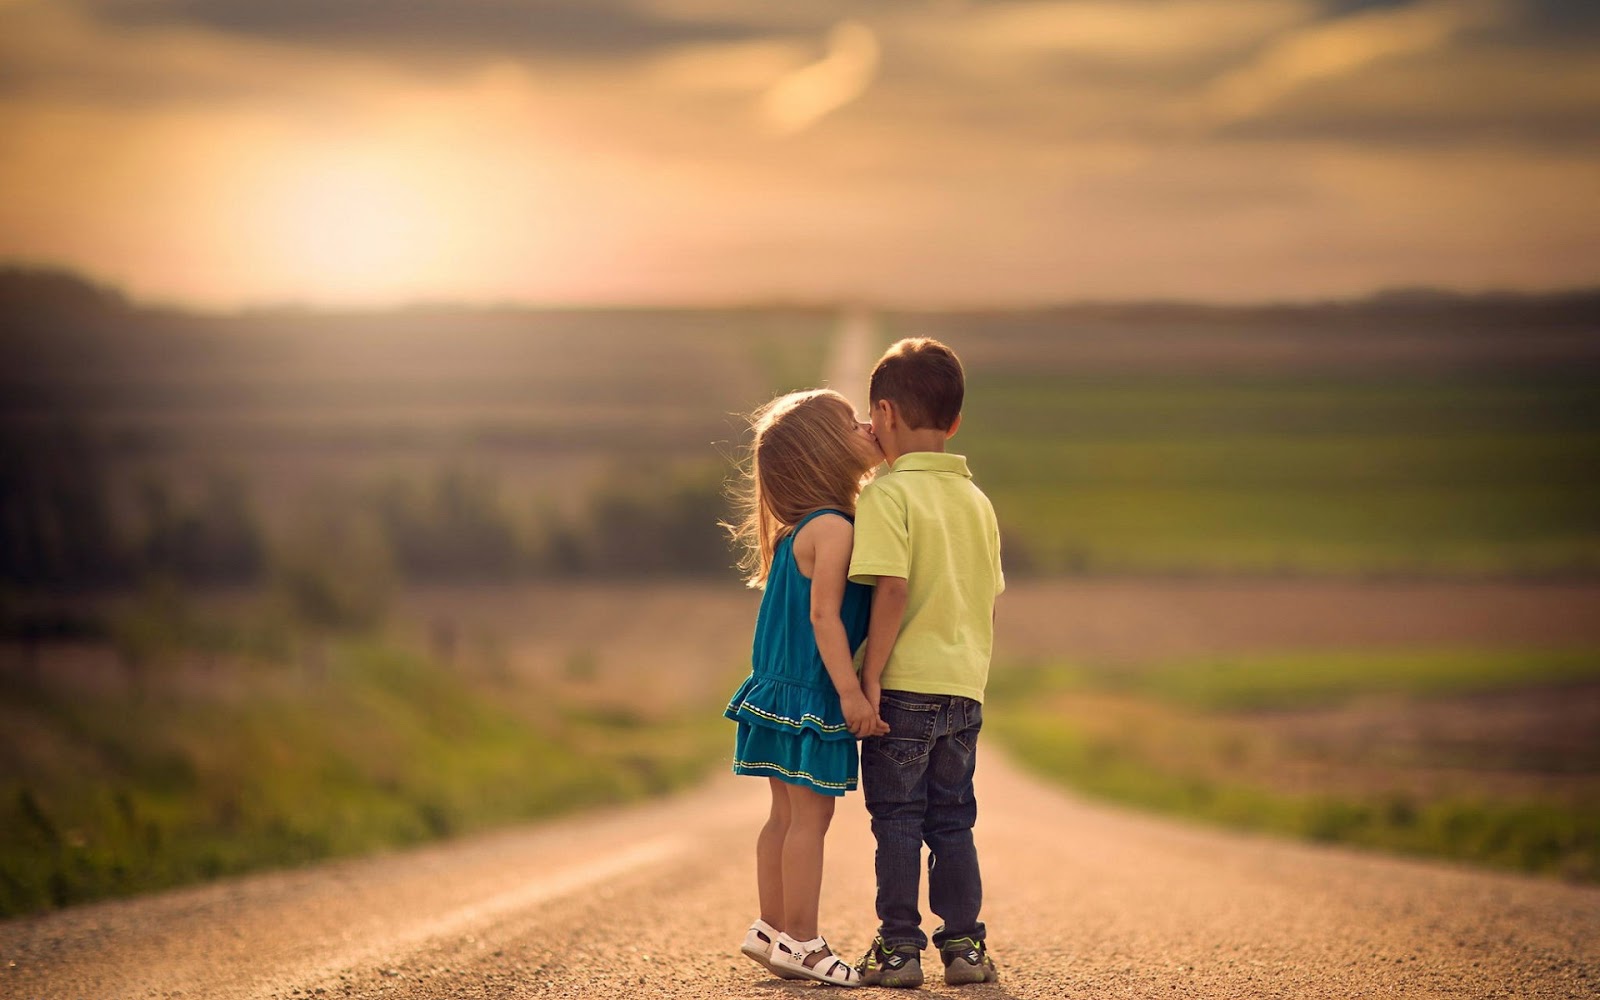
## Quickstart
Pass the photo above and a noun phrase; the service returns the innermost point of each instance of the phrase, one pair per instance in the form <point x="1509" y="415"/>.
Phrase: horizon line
<point x="1397" y="294"/>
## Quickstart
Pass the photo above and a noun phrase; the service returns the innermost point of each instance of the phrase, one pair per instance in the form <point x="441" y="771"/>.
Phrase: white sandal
<point x="789" y="955"/>
<point x="759" y="941"/>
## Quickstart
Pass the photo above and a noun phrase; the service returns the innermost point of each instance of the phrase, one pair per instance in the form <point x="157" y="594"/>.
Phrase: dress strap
<point x="818" y="513"/>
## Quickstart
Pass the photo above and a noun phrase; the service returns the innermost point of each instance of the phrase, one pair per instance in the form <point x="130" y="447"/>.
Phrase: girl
<point x="802" y="708"/>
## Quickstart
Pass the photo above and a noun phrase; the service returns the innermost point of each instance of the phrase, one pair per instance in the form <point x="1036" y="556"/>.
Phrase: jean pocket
<point x="911" y="729"/>
<point x="967" y="736"/>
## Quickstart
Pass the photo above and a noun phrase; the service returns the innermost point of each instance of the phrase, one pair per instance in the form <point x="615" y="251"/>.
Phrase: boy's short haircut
<point x="923" y="379"/>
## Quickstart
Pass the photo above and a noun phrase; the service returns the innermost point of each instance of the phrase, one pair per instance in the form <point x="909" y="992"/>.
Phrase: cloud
<point x="738" y="68"/>
<point x="1341" y="47"/>
<point x="1152" y="31"/>
<point x="1482" y="97"/>
<point x="572" y="28"/>
<point x="807" y="95"/>
<point x="54" y="53"/>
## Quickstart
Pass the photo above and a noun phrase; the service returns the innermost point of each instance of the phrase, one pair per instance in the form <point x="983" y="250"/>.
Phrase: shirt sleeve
<point x="883" y="538"/>
<point x="994" y="546"/>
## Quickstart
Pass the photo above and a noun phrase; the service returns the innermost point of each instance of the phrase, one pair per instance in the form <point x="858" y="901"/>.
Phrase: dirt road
<point x="1083" y="901"/>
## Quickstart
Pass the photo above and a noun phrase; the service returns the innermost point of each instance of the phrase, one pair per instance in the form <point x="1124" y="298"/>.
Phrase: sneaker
<point x="967" y="961"/>
<point x="900" y="966"/>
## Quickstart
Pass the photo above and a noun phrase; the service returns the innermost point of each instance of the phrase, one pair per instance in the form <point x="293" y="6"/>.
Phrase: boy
<point x="926" y="536"/>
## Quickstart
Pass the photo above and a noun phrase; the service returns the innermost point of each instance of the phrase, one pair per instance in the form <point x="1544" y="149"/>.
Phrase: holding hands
<point x="861" y="715"/>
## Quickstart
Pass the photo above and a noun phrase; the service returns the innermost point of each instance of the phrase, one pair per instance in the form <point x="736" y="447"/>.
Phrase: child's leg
<point x="769" y="855"/>
<point x="809" y="816"/>
<point x="955" y="886"/>
<point x="894" y="778"/>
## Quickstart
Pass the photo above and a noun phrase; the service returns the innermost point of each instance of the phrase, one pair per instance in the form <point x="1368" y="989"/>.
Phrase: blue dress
<point x="790" y="724"/>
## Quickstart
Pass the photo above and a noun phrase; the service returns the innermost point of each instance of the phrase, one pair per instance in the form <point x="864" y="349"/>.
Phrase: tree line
<point x="60" y="528"/>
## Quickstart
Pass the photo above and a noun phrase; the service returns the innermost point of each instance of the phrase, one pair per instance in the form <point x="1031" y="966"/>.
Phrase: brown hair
<point x="802" y="458"/>
<point x="923" y="379"/>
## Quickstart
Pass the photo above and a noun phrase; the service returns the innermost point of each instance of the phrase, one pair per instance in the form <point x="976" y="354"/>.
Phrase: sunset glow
<point x="228" y="153"/>
<point x="355" y="227"/>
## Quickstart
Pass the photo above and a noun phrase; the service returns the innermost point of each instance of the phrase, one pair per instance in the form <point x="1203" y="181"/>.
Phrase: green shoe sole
<point x="901" y="979"/>
<point x="962" y="974"/>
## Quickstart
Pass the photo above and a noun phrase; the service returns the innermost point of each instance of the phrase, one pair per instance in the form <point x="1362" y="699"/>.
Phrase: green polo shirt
<point x="926" y="521"/>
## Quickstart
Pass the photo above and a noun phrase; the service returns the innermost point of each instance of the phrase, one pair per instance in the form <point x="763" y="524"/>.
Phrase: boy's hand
<point x="861" y="717"/>
<point x="879" y="727"/>
<point x="874" y="692"/>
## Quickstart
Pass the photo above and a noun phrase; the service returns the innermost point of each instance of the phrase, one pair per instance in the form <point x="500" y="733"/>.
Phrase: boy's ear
<point x="955" y="425"/>
<point x="890" y="417"/>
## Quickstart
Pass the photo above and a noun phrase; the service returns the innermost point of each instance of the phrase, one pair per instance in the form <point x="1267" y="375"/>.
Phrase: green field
<point x="1477" y="755"/>
<point x="1465" y="475"/>
<point x="200" y="767"/>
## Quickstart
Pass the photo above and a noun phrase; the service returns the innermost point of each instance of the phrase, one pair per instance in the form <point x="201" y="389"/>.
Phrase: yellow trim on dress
<point x="747" y="707"/>
<point x="842" y="786"/>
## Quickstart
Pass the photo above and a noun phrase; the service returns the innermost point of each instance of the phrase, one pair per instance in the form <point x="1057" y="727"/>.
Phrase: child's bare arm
<point x="832" y="538"/>
<point x="888" y="610"/>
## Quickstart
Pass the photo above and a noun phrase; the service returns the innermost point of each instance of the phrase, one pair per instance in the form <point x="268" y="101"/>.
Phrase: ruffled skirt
<point x="794" y="733"/>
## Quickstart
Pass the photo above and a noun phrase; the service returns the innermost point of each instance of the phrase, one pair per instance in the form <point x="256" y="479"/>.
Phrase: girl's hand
<point x="860" y="717"/>
<point x="874" y="692"/>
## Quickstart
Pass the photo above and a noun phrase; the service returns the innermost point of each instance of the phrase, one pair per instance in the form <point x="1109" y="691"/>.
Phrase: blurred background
<point x="371" y="375"/>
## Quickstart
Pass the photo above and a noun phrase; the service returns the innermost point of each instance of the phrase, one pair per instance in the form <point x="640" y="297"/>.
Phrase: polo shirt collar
<point x="931" y="461"/>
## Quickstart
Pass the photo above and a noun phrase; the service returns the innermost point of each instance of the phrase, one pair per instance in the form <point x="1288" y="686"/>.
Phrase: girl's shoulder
<point x="826" y="521"/>
<point x="821" y="533"/>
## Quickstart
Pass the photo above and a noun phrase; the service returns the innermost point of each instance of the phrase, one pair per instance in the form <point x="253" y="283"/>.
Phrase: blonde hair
<point x="802" y="458"/>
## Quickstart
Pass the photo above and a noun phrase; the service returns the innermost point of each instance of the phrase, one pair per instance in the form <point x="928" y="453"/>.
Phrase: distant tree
<point x="453" y="528"/>
<point x="557" y="549"/>
<point x="57" y="528"/>
<point x="651" y="524"/>
<point x="216" y="540"/>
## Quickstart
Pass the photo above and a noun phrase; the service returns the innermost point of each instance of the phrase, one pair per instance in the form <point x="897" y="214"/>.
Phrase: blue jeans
<point x="918" y="787"/>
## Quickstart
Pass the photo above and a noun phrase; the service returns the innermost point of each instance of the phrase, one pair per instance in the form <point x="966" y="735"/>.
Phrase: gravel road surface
<point x="651" y="901"/>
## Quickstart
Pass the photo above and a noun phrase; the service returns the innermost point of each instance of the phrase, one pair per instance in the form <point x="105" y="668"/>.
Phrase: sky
<point x="351" y="153"/>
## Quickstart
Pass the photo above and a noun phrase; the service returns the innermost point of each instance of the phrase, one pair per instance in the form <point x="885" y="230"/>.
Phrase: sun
<point x="353" y="227"/>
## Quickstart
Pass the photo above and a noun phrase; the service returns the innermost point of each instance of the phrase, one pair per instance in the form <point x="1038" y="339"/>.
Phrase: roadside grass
<point x="1312" y="679"/>
<point x="1531" y="836"/>
<point x="1334" y="475"/>
<point x="1244" y="743"/>
<point x="107" y="794"/>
